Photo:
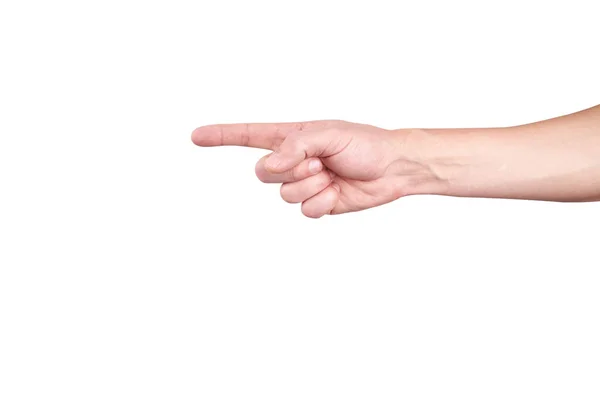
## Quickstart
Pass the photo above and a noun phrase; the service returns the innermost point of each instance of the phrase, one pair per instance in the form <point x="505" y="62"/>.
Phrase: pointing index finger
<point x="266" y="136"/>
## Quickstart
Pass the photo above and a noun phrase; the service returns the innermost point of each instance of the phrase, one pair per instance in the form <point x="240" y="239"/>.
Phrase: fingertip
<point x="206" y="136"/>
<point x="199" y="136"/>
<point x="260" y="172"/>
<point x="193" y="136"/>
<point x="315" y="166"/>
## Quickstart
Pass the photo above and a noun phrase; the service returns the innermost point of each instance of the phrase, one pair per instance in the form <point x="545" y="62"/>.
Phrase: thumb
<point x="302" y="145"/>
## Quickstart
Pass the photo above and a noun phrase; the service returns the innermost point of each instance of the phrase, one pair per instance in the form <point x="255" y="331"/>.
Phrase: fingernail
<point x="314" y="166"/>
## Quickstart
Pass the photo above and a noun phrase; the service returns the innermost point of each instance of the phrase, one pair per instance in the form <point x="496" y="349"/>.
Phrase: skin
<point x="334" y="167"/>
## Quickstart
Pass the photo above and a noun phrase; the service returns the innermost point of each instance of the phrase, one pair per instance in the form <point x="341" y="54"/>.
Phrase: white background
<point x="135" y="265"/>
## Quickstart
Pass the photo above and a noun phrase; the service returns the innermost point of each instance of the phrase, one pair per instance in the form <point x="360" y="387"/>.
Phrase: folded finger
<point x="305" y="169"/>
<point x="322" y="203"/>
<point x="297" y="192"/>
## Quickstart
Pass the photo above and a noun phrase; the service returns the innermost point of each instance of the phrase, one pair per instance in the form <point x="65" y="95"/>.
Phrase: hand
<point x="331" y="167"/>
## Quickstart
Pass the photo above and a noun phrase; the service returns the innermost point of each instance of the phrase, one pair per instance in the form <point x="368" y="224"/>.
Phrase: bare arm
<point x="555" y="160"/>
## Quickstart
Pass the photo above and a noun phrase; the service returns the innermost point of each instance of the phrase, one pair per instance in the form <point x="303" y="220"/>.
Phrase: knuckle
<point x="244" y="139"/>
<point x="332" y="131"/>
<point x="245" y="135"/>
<point x="292" y="174"/>
<point x="296" y="140"/>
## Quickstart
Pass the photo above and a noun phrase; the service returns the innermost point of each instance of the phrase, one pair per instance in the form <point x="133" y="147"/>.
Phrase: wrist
<point x="456" y="162"/>
<point x="420" y="164"/>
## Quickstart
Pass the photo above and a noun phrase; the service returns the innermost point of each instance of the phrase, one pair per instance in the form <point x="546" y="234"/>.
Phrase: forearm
<point x="555" y="160"/>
